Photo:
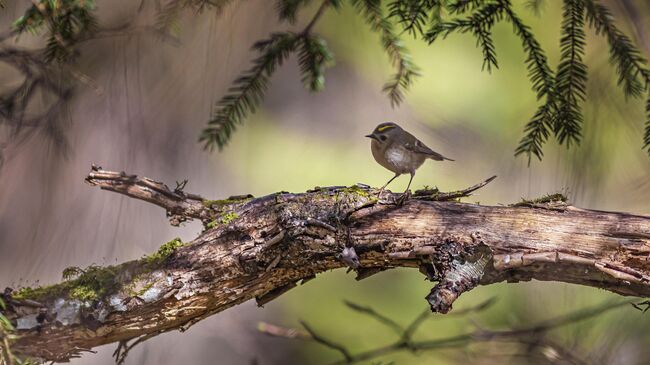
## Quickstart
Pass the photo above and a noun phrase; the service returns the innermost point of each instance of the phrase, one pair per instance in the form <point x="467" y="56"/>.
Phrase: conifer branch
<point x="463" y="6"/>
<point x="319" y="13"/>
<point x="66" y="21"/>
<point x="248" y="90"/>
<point x="288" y="9"/>
<point x="313" y="58"/>
<point x="631" y="66"/>
<point x="402" y="80"/>
<point x="480" y="24"/>
<point x="571" y="78"/>
<point x="484" y="40"/>
<point x="537" y="130"/>
<point x="633" y="74"/>
<point x="561" y="94"/>
<point x="168" y="17"/>
<point x="413" y="15"/>
<point x="539" y="72"/>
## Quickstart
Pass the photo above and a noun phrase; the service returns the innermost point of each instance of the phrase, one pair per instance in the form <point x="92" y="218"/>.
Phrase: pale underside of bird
<point x="399" y="151"/>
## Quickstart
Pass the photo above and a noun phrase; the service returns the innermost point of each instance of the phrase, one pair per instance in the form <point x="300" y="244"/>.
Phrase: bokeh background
<point x="153" y="97"/>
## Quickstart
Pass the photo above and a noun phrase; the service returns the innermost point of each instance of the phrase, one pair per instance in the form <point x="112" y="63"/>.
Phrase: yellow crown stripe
<point x="381" y="129"/>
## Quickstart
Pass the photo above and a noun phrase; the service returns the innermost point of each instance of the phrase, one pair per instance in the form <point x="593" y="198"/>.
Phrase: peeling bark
<point x="261" y="247"/>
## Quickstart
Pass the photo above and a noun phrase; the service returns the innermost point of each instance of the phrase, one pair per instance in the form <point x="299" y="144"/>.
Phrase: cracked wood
<point x="277" y="241"/>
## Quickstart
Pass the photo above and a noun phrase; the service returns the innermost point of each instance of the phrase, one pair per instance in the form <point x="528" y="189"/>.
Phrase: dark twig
<point x="477" y="308"/>
<point x="419" y="320"/>
<point x="377" y="316"/>
<point x="517" y="335"/>
<point x="643" y="306"/>
<point x="317" y="16"/>
<point x="123" y="347"/>
<point x="526" y="335"/>
<point x="325" y="342"/>
<point x="415" y="324"/>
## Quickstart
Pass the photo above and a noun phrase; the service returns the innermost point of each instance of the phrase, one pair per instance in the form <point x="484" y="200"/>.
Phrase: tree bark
<point x="261" y="247"/>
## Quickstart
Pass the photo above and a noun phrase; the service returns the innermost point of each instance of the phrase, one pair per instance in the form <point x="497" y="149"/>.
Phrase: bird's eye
<point x="382" y="138"/>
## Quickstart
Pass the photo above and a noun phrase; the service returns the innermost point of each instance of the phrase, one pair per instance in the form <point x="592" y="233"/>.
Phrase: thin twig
<point x="521" y="335"/>
<point x="417" y="322"/>
<point x="278" y="331"/>
<point x="374" y="314"/>
<point x="325" y="342"/>
<point x="317" y="16"/>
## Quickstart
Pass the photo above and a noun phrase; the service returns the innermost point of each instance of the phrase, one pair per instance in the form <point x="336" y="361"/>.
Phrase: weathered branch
<point x="179" y="205"/>
<point x="261" y="247"/>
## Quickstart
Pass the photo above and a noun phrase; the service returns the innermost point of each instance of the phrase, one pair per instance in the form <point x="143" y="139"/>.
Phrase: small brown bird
<point x="399" y="151"/>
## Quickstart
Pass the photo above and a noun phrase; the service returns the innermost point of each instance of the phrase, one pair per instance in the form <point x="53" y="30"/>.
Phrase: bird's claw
<point x="403" y="198"/>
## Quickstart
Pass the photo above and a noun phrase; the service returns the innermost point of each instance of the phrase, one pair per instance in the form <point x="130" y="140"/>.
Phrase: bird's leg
<point x="386" y="184"/>
<point x="407" y="192"/>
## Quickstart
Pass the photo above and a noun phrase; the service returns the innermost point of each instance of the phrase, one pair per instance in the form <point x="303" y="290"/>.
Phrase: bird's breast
<point x="397" y="156"/>
<point x="396" y="159"/>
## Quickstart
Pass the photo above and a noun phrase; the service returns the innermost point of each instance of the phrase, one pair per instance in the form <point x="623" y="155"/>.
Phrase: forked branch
<point x="531" y="337"/>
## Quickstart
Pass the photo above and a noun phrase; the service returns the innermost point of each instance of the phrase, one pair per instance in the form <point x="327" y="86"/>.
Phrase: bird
<point x="400" y="152"/>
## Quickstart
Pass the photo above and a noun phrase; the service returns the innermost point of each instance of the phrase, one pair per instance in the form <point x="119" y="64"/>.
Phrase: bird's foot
<point x="403" y="198"/>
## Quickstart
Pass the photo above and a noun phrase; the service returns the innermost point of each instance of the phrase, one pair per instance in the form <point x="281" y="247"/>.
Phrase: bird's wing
<point x="419" y="147"/>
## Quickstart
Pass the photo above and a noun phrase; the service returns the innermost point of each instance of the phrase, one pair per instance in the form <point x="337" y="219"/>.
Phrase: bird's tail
<point x="438" y="157"/>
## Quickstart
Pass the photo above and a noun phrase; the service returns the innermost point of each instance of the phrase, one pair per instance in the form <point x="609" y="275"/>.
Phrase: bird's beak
<point x="372" y="136"/>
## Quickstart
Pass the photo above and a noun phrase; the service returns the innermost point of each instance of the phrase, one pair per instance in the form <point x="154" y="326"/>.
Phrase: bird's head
<point x="384" y="132"/>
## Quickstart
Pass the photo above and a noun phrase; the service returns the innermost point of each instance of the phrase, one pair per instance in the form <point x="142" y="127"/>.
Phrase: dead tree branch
<point x="261" y="247"/>
<point x="179" y="205"/>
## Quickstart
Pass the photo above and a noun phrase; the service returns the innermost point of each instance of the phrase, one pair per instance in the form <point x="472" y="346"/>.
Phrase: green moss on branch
<point x="546" y="199"/>
<point x="226" y="218"/>
<point x="219" y="204"/>
<point x="96" y="282"/>
<point x="164" y="251"/>
<point x="90" y="283"/>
